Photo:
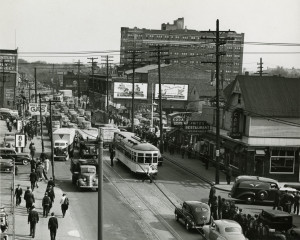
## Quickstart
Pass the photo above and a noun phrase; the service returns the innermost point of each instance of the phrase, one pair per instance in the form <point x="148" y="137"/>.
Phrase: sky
<point x="40" y="28"/>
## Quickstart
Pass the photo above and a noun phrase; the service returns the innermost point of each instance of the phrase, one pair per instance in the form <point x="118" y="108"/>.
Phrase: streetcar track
<point x="156" y="213"/>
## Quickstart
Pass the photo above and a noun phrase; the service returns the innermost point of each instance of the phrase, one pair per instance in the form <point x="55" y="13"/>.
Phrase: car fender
<point x="244" y="194"/>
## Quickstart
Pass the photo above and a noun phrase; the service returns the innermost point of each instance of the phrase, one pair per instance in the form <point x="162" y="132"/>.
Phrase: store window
<point x="282" y="161"/>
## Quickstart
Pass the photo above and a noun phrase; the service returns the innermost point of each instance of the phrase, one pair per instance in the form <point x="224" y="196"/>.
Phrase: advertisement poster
<point x="172" y="92"/>
<point x="124" y="90"/>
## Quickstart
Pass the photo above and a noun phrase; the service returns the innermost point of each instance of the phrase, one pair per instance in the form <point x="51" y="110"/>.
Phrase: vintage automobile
<point x="84" y="173"/>
<point x="193" y="214"/>
<point x="279" y="220"/>
<point x="6" y="165"/>
<point x="20" y="158"/>
<point x="253" y="188"/>
<point x="223" y="229"/>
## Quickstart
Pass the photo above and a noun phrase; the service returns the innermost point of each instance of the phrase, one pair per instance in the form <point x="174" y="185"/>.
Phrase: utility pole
<point x="260" y="67"/>
<point x="160" y="54"/>
<point x="219" y="41"/>
<point x="3" y="81"/>
<point x="107" y="58"/>
<point x="41" y="120"/>
<point x="78" y="64"/>
<point x="100" y="186"/>
<point x="92" y="58"/>
<point x="35" y="92"/>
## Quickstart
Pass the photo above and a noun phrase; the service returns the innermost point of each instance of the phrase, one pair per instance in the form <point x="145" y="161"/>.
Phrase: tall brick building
<point x="186" y="47"/>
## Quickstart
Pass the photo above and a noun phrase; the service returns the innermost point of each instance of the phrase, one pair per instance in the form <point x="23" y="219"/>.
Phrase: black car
<point x="6" y="165"/>
<point x="253" y="188"/>
<point x="20" y="158"/>
<point x="278" y="220"/>
<point x="193" y="214"/>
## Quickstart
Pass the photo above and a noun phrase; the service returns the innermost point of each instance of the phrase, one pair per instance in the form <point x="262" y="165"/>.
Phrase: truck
<point x="107" y="133"/>
<point x="88" y="142"/>
<point x="84" y="173"/>
<point x="63" y="143"/>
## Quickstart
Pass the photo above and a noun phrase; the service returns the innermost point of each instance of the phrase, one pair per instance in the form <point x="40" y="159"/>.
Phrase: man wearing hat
<point x="18" y="195"/>
<point x="46" y="204"/>
<point x="33" y="219"/>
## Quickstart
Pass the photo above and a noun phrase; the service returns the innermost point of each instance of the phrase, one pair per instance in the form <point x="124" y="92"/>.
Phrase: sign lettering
<point x="34" y="108"/>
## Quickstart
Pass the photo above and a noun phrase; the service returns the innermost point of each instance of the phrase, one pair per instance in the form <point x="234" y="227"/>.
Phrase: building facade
<point x="78" y="84"/>
<point x="9" y="76"/>
<point x="184" y="47"/>
<point x="260" y="125"/>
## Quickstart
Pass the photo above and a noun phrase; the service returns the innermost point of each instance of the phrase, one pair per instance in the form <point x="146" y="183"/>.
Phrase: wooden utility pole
<point x="93" y="64"/>
<point x="260" y="68"/>
<point x="78" y="64"/>
<point x="107" y="59"/>
<point x="160" y="53"/>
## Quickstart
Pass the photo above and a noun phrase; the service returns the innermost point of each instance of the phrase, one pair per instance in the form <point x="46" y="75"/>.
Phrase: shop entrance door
<point x="259" y="166"/>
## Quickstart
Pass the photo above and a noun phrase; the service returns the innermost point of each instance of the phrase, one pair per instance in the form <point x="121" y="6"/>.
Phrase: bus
<point x="135" y="153"/>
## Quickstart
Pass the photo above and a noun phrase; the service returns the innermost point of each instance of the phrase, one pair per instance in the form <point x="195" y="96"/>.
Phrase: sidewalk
<point x="66" y="226"/>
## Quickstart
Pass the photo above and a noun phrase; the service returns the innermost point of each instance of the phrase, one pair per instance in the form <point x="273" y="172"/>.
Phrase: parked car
<point x="193" y="214"/>
<point x="253" y="188"/>
<point x="6" y="165"/>
<point x="293" y="185"/>
<point x="223" y="229"/>
<point x="20" y="158"/>
<point x="279" y="220"/>
<point x="295" y="232"/>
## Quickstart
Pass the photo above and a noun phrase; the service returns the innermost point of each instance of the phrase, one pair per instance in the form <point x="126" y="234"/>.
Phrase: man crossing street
<point x="18" y="195"/>
<point x="46" y="205"/>
<point x="33" y="219"/>
<point x="52" y="226"/>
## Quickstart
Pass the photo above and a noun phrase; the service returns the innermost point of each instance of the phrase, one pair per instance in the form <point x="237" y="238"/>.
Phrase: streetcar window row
<point x="138" y="157"/>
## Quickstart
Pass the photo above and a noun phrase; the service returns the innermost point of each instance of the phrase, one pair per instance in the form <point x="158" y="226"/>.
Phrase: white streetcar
<point x="135" y="153"/>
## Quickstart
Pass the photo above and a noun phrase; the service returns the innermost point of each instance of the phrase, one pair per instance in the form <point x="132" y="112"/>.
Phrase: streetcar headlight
<point x="84" y="179"/>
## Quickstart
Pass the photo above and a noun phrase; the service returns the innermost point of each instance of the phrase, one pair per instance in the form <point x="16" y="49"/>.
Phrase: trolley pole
<point x="100" y="187"/>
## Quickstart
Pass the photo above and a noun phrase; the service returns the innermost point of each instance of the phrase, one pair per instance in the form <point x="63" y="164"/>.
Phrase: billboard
<point x="124" y="90"/>
<point x="172" y="92"/>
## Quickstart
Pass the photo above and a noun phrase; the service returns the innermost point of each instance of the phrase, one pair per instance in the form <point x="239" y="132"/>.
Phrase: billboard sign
<point x="176" y="92"/>
<point x="20" y="140"/>
<point x="124" y="90"/>
<point x="34" y="108"/>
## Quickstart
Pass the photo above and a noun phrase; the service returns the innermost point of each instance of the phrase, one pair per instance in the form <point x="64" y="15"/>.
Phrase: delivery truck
<point x="63" y="143"/>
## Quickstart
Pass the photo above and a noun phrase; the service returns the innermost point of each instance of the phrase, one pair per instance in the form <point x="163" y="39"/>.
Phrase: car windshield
<point x="88" y="170"/>
<point x="59" y="144"/>
<point x="232" y="230"/>
<point x="201" y="209"/>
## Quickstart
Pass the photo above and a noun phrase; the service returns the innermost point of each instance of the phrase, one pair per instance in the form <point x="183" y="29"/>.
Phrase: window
<point x="148" y="158"/>
<point x="282" y="161"/>
<point x="140" y="158"/>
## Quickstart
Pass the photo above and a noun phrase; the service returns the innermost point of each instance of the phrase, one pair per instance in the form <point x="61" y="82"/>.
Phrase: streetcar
<point x="135" y="153"/>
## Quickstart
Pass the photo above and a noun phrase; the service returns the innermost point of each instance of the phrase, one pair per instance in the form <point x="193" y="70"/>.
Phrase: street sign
<point x="34" y="108"/>
<point x="20" y="140"/>
<point x="196" y="126"/>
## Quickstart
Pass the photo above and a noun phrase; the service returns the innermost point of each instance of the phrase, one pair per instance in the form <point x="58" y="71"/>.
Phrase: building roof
<point x="145" y="69"/>
<point x="268" y="95"/>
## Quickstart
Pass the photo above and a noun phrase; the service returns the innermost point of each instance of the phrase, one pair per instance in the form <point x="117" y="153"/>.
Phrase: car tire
<point x="176" y="217"/>
<point x="187" y="226"/>
<point x="249" y="200"/>
<point x="25" y="162"/>
<point x="263" y="195"/>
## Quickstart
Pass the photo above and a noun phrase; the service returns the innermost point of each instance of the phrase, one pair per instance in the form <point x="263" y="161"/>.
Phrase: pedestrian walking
<point x="182" y="150"/>
<point x="46" y="205"/>
<point x="32" y="150"/>
<point x="296" y="203"/>
<point x="112" y="155"/>
<point x="46" y="164"/>
<point x="51" y="182"/>
<point x="53" y="226"/>
<point x="149" y="173"/>
<point x="220" y="207"/>
<point x="64" y="201"/>
<point x="39" y="171"/>
<point x="214" y="208"/>
<point x="18" y="195"/>
<point x="30" y="200"/>
<point x="276" y="202"/>
<point x="51" y="194"/>
<point x="228" y="175"/>
<point x="32" y="164"/>
<point x="33" y="219"/>
<point x="33" y="179"/>
<point x="212" y="193"/>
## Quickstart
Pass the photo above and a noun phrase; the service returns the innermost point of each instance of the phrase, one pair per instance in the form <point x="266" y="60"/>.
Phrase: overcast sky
<point x="94" y="25"/>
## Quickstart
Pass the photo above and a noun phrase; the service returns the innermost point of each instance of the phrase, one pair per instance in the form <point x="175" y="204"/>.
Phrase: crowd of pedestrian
<point x="252" y="227"/>
<point x="48" y="200"/>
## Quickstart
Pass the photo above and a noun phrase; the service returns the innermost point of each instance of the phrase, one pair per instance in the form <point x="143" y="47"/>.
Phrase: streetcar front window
<point x="133" y="156"/>
<point x="140" y="158"/>
<point x="148" y="158"/>
<point x="155" y="158"/>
